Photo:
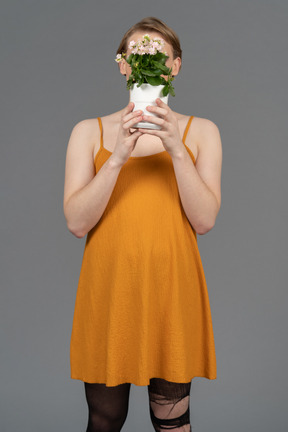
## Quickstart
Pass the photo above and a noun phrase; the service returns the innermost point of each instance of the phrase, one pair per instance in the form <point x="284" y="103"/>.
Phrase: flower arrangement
<point x="147" y="61"/>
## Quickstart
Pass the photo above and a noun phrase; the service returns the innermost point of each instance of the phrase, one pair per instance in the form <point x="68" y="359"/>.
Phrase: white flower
<point x="132" y="43"/>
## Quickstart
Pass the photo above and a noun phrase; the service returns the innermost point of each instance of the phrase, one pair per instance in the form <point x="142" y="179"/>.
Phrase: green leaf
<point x="171" y="91"/>
<point x="160" y="57"/>
<point x="162" y="67"/>
<point x="165" y="91"/>
<point x="151" y="72"/>
<point x="137" y="75"/>
<point x="154" y="80"/>
<point x="129" y="59"/>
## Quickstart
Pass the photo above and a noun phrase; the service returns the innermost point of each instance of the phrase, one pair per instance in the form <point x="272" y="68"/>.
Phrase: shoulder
<point x="206" y="128"/>
<point x="202" y="134"/>
<point x="200" y="126"/>
<point x="209" y="147"/>
<point x="205" y="134"/>
<point x="91" y="126"/>
<point x="208" y="137"/>
<point x="83" y="137"/>
<point x="86" y="128"/>
<point x="86" y="132"/>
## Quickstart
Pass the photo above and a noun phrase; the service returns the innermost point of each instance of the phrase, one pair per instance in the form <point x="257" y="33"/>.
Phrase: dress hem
<point x="140" y="383"/>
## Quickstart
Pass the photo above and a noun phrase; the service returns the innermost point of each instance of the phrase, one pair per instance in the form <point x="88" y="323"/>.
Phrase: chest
<point x="148" y="144"/>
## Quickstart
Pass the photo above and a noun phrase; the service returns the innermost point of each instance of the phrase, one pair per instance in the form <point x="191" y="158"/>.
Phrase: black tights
<point x="168" y="401"/>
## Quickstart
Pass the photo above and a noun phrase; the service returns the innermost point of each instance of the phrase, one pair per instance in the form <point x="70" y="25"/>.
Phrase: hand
<point x="126" y="140"/>
<point x="169" y="133"/>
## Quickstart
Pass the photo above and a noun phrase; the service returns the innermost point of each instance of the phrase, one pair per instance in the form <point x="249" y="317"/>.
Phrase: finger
<point x="131" y="115"/>
<point x="128" y="108"/>
<point x="160" y="103"/>
<point x="130" y="123"/>
<point x="157" y="110"/>
<point x="153" y="119"/>
<point x="156" y="132"/>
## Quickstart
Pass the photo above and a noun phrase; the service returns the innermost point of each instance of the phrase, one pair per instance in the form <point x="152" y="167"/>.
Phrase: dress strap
<point x="101" y="131"/>
<point x="187" y="128"/>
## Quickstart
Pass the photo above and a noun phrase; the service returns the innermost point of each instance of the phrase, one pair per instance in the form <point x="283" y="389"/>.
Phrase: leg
<point x="108" y="406"/>
<point x="169" y="405"/>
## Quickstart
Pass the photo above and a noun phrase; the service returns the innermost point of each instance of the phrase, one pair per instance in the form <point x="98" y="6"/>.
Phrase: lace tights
<point x="168" y="403"/>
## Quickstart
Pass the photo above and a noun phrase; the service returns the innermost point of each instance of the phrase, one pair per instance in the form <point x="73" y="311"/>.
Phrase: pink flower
<point x="132" y="43"/>
<point x="146" y="45"/>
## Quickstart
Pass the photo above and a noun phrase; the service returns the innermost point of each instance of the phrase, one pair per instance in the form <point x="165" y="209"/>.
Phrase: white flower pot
<point x="143" y="96"/>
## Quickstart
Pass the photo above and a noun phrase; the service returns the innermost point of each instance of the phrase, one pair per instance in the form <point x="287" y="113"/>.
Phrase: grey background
<point x="57" y="67"/>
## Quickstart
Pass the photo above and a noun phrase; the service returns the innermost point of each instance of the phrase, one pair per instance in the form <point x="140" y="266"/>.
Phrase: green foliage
<point x="148" y="68"/>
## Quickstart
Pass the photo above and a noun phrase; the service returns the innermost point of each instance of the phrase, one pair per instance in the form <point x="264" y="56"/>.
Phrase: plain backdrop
<point x="58" y="68"/>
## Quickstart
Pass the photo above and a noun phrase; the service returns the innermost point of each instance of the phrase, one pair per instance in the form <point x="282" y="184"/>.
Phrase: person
<point x="142" y="312"/>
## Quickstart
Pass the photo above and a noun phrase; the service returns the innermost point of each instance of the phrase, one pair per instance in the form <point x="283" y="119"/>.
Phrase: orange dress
<point x="142" y="307"/>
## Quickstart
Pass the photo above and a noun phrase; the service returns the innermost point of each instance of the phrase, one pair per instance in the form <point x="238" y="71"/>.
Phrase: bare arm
<point x="86" y="195"/>
<point x="200" y="185"/>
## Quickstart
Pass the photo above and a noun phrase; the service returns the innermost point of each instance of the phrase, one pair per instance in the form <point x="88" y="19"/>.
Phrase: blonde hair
<point x="153" y="24"/>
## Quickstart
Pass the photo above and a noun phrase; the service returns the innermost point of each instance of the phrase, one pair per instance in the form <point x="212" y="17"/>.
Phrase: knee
<point x="182" y="422"/>
<point x="108" y="407"/>
<point x="167" y="415"/>
<point x="100" y="423"/>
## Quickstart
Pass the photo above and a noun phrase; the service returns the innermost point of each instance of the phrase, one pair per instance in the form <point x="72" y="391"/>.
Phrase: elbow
<point x="78" y="234"/>
<point x="203" y="229"/>
<point x="76" y="231"/>
<point x="205" y="226"/>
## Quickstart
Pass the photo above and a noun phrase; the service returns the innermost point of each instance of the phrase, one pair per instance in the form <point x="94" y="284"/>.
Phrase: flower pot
<point x="143" y="96"/>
